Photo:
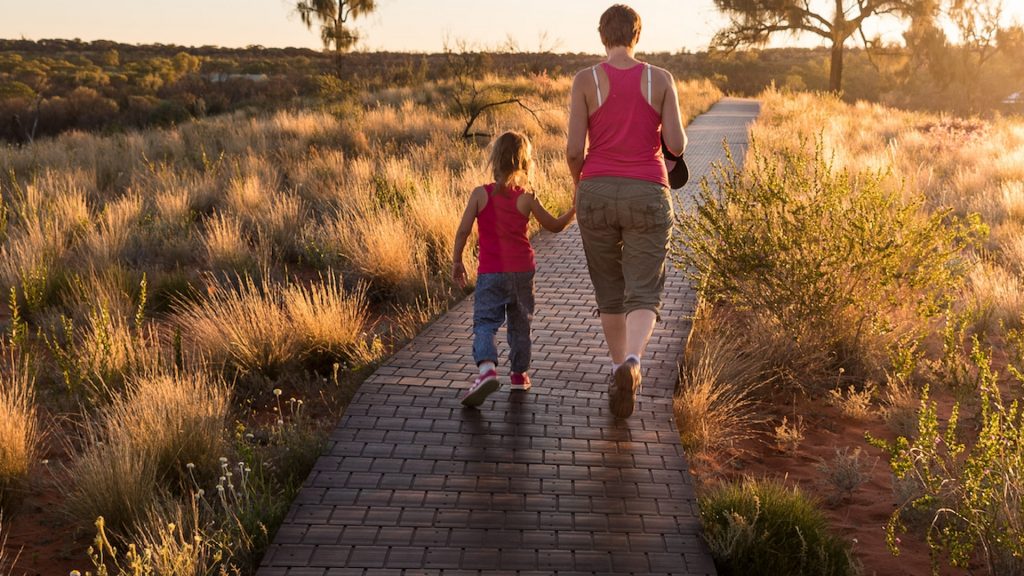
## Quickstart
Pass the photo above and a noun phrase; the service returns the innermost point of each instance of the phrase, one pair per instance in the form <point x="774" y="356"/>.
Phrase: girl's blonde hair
<point x="511" y="159"/>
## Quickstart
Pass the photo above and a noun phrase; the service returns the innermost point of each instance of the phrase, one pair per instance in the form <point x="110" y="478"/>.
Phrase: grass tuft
<point x="20" y="435"/>
<point x="761" y="527"/>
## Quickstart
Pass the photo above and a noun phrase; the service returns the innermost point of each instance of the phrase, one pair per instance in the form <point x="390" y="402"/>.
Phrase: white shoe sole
<point x="476" y="396"/>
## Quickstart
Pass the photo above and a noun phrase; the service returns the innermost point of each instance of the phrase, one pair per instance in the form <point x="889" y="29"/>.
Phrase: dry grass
<point x="227" y="246"/>
<point x="243" y="326"/>
<point x="263" y="327"/>
<point x="114" y="289"/>
<point x="7" y="560"/>
<point x="331" y="320"/>
<point x="716" y="404"/>
<point x="20" y="433"/>
<point x="997" y="297"/>
<point x="177" y="418"/>
<point x="695" y="97"/>
<point x="138" y="453"/>
<point x="110" y="479"/>
<point x="116" y="227"/>
<point x="380" y="247"/>
<point x="100" y="351"/>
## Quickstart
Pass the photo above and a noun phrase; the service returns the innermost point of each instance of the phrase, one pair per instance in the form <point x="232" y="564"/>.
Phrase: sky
<point x="396" y="25"/>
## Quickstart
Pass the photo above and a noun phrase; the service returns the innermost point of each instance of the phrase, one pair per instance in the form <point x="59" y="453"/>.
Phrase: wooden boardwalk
<point x="533" y="483"/>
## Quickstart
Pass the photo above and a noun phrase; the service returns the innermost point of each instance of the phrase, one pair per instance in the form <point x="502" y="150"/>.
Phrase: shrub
<point x="763" y="528"/>
<point x="827" y="258"/>
<point x="966" y="476"/>
<point x="789" y="435"/>
<point x="853" y="403"/>
<point x="844" y="473"/>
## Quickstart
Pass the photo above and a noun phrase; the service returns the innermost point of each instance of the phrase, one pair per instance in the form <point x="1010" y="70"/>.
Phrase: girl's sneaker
<point x="520" y="381"/>
<point x="482" y="387"/>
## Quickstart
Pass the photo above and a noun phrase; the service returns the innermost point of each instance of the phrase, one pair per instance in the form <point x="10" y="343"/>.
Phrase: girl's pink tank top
<point x="625" y="132"/>
<point x="504" y="245"/>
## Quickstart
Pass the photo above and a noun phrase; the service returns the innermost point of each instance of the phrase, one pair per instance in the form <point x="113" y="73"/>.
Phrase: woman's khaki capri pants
<point x="625" y="225"/>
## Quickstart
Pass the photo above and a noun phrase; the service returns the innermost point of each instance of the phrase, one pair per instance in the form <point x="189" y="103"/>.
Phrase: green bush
<point x="828" y="259"/>
<point x="762" y="527"/>
<point x="967" y="477"/>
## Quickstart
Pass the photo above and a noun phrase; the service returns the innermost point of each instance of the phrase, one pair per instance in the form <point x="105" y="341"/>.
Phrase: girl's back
<point x="502" y="227"/>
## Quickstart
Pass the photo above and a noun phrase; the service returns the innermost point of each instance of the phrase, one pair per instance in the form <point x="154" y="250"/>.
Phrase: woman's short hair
<point x="620" y="26"/>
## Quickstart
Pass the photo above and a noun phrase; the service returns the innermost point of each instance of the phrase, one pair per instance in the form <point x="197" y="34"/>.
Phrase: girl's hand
<point x="459" y="273"/>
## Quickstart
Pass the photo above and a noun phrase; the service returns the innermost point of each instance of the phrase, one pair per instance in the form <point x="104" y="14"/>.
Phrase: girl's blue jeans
<point x="501" y="297"/>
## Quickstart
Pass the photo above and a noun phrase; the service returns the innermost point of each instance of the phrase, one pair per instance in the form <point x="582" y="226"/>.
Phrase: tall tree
<point x="333" y="16"/>
<point x="957" y="64"/>
<point x="753" y="22"/>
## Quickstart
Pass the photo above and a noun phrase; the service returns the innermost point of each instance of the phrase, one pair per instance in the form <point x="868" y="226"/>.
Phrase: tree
<point x="753" y="22"/>
<point x="469" y="96"/>
<point x="957" y="65"/>
<point x="333" y="16"/>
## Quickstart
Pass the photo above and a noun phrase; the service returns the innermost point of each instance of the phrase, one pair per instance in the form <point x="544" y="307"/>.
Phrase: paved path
<point x="542" y="482"/>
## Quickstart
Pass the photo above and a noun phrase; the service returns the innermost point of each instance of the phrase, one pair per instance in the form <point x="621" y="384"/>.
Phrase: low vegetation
<point x="880" y="246"/>
<point x="20" y="432"/>
<point x="762" y="527"/>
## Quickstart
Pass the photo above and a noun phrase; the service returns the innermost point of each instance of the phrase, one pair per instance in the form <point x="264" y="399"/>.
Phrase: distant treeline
<point x="50" y="86"/>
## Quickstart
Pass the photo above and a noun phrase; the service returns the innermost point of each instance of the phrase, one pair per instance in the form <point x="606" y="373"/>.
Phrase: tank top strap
<point x="649" y="85"/>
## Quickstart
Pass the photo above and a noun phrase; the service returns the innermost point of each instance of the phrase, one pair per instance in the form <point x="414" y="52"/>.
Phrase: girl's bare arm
<point x="477" y="200"/>
<point x="546" y="219"/>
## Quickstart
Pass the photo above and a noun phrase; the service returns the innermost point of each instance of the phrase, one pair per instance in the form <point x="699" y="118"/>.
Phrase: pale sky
<point x="397" y="25"/>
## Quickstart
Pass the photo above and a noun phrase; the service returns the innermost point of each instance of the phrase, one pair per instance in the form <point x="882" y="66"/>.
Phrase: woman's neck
<point x="620" y="56"/>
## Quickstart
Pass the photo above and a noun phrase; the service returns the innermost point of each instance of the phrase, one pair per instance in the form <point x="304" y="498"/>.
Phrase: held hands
<point x="459" y="273"/>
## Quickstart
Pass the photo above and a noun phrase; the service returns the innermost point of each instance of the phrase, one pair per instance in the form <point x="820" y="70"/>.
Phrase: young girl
<point x="504" y="285"/>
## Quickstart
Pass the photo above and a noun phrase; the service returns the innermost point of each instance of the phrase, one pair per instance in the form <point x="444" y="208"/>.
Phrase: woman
<point x="626" y="109"/>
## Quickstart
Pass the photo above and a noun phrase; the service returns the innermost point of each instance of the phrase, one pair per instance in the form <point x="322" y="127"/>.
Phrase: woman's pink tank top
<point x="504" y="245"/>
<point x="625" y="132"/>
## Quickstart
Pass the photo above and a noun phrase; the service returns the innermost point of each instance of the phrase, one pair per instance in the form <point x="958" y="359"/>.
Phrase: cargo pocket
<point x="653" y="214"/>
<point x="592" y="212"/>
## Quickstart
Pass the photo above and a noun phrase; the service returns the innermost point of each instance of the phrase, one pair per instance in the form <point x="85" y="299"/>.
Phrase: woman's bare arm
<point x="671" y="122"/>
<point x="576" y="142"/>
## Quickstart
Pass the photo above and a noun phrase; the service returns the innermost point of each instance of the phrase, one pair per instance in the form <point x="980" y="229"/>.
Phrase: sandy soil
<point x="861" y="516"/>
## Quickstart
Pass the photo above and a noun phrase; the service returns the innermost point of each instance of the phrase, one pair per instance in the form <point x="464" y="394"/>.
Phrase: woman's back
<point x="625" y="130"/>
